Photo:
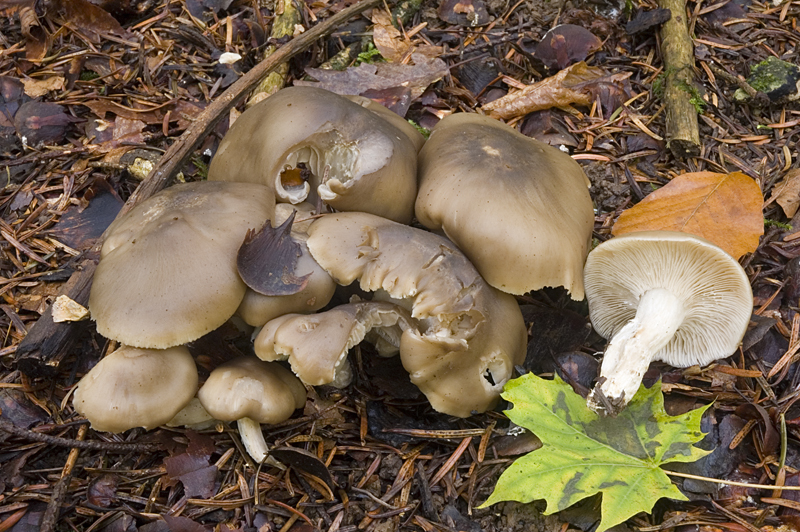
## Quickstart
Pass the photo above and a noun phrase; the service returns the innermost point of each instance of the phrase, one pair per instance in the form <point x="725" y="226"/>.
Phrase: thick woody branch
<point x="677" y="49"/>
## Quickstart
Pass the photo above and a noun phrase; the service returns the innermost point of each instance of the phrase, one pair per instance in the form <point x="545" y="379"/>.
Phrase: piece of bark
<point x="645" y="20"/>
<point x="41" y="351"/>
<point x="683" y="134"/>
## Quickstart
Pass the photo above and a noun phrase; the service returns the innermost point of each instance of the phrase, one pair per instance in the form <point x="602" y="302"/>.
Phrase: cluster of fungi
<point x="310" y="190"/>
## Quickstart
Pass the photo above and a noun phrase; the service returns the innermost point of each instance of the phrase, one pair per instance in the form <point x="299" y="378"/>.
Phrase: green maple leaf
<point x="584" y="454"/>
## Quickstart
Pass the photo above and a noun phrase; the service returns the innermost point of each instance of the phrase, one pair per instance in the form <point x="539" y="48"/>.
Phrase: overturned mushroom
<point x="518" y="208"/>
<point x="662" y="295"/>
<point x="167" y="272"/>
<point x="316" y="345"/>
<point x="354" y="158"/>
<point x="257" y="309"/>
<point x="250" y="392"/>
<point x="469" y="335"/>
<point x="134" y="387"/>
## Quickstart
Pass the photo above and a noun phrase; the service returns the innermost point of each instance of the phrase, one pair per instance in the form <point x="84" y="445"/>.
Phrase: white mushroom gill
<point x="666" y="296"/>
<point x="631" y="350"/>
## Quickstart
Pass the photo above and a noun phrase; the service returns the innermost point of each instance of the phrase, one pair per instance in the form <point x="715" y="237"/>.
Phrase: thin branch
<point x="30" y="435"/>
<point x="730" y="482"/>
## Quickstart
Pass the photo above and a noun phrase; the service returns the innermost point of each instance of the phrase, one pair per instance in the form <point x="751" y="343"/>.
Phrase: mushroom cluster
<point x="310" y="190"/>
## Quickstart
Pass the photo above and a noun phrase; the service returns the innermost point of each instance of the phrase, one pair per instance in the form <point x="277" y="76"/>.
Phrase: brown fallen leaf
<point x="192" y="466"/>
<point x="725" y="209"/>
<point x="470" y="13"/>
<point x="37" y="40"/>
<point x="39" y="87"/>
<point x="41" y="123"/>
<point x="566" y="44"/>
<point x="357" y="80"/>
<point x="267" y="259"/>
<point x="102" y="491"/>
<point x="88" y="19"/>
<point x="388" y="39"/>
<point x="571" y="86"/>
<point x="80" y="226"/>
<point x="787" y="193"/>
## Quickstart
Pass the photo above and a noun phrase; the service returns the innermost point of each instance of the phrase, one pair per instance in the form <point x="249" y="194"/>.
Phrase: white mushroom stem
<point x="628" y="355"/>
<point x="253" y="441"/>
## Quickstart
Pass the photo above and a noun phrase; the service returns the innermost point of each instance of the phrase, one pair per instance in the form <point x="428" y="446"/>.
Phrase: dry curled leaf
<point x="87" y="18"/>
<point x="787" y="193"/>
<point x="388" y="39"/>
<point x="573" y="85"/>
<point x="39" y="87"/>
<point x="357" y="80"/>
<point x="725" y="209"/>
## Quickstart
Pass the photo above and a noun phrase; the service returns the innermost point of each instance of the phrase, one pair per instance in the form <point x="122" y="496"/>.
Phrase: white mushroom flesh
<point x="662" y="296"/>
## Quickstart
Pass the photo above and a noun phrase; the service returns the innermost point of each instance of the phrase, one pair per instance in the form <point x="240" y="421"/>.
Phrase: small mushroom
<point x="134" y="387"/>
<point x="192" y="416"/>
<point x="257" y="309"/>
<point x="250" y="392"/>
<point x="356" y="160"/>
<point x="662" y="295"/>
<point x="167" y="272"/>
<point x="316" y="345"/>
<point x="469" y="336"/>
<point x="518" y="208"/>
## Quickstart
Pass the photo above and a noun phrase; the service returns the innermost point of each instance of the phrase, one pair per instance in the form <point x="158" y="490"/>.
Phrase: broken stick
<point x="47" y="343"/>
<point x="677" y="49"/>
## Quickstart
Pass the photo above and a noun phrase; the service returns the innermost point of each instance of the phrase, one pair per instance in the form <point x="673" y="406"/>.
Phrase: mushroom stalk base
<point x="254" y="443"/>
<point x="631" y="350"/>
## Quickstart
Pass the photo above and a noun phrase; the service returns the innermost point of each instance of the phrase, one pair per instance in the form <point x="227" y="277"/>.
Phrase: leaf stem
<point x="730" y="482"/>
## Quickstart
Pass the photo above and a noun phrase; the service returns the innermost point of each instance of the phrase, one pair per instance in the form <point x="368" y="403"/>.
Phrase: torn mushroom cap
<point x="390" y="116"/>
<point x="316" y="345"/>
<point x="250" y="391"/>
<point x="470" y="335"/>
<point x="134" y="387"/>
<point x="167" y="273"/>
<point x="662" y="295"/>
<point x="357" y="159"/>
<point x="518" y="208"/>
<point x="257" y="309"/>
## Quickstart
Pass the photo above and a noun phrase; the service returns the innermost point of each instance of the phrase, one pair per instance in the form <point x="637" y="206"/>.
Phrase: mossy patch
<point x="779" y="80"/>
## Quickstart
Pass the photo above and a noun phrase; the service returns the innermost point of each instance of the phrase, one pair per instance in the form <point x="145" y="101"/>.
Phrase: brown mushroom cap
<point x="316" y="345"/>
<point x="518" y="208"/>
<point x="470" y="335"/>
<point x="390" y="116"/>
<point x="663" y="295"/>
<point x="134" y="387"/>
<point x="371" y="164"/>
<point x="167" y="273"/>
<point x="246" y="387"/>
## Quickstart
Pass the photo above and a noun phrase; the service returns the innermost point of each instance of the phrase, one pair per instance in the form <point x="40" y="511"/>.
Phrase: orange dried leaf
<point x="722" y="208"/>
